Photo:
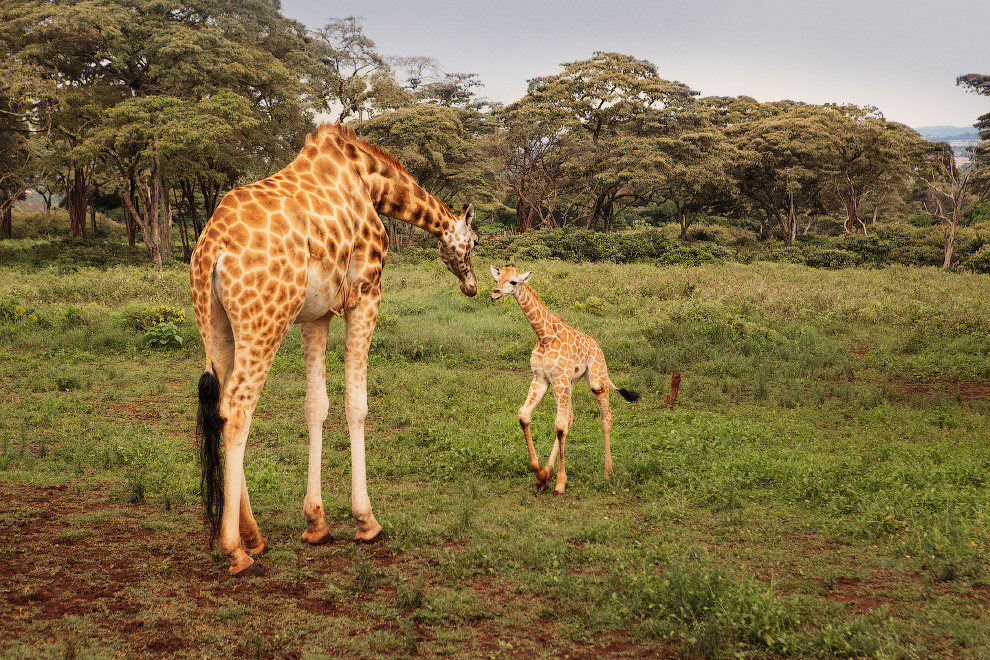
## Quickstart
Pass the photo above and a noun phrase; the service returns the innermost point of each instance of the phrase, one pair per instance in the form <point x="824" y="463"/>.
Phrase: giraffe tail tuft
<point x="209" y="428"/>
<point x="629" y="395"/>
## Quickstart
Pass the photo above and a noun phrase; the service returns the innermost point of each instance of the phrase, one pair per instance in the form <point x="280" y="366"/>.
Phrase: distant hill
<point x="948" y="133"/>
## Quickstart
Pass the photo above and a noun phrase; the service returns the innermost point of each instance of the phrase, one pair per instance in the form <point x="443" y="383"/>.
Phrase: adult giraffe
<point x="302" y="246"/>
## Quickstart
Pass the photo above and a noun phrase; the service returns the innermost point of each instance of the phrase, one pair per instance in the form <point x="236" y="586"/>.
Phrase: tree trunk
<point x="76" y="200"/>
<point x="189" y="195"/>
<point x="130" y="223"/>
<point x="144" y="218"/>
<point x="950" y="239"/>
<point x="183" y="232"/>
<point x="520" y="214"/>
<point x="6" y="214"/>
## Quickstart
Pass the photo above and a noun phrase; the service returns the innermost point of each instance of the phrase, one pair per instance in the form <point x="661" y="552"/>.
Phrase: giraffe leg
<point x="241" y="393"/>
<point x="251" y="538"/>
<point x="222" y="343"/>
<point x="605" y="413"/>
<point x="314" y="341"/>
<point x="360" y="326"/>
<point x="562" y="393"/>
<point x="536" y="391"/>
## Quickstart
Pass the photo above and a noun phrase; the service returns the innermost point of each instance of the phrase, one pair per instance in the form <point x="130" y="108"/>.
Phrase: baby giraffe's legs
<point x="536" y="391"/>
<point x="562" y="393"/>
<point x="605" y="413"/>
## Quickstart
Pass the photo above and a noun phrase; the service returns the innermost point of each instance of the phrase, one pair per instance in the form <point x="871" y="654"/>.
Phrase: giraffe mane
<point x="347" y="133"/>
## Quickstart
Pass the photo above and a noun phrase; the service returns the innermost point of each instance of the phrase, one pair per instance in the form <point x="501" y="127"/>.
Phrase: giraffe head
<point x="455" y="250"/>
<point x="508" y="281"/>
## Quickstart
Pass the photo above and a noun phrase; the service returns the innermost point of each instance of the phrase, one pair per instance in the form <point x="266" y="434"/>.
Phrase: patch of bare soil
<point x="129" y="576"/>
<point x="860" y="596"/>
<point x="949" y="389"/>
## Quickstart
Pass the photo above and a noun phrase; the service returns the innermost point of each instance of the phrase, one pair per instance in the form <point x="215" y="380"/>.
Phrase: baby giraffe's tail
<point x="628" y="395"/>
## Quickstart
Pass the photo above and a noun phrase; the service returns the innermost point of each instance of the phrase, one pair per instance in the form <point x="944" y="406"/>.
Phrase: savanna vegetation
<point x="817" y="275"/>
<point x="819" y="489"/>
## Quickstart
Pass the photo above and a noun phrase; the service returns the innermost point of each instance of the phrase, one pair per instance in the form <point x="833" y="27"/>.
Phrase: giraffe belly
<point x="324" y="294"/>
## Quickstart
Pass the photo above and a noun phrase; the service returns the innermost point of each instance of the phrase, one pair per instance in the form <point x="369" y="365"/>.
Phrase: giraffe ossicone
<point x="561" y="357"/>
<point x="301" y="247"/>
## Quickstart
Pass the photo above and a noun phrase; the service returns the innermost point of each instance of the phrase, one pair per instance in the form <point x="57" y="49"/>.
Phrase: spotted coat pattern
<point x="561" y="357"/>
<point x="301" y="247"/>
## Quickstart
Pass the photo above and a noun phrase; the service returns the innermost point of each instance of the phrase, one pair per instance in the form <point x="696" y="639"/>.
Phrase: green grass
<point x="820" y="489"/>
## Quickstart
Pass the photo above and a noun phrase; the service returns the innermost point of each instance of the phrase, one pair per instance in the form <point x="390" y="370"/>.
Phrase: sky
<point x="901" y="56"/>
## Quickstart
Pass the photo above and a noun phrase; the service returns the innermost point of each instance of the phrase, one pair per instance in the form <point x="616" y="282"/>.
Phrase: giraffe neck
<point x="539" y="317"/>
<point x="392" y="189"/>
<point x="397" y="195"/>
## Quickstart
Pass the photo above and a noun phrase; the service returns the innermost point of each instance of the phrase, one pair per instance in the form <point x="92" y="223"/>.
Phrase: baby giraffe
<point x="562" y="355"/>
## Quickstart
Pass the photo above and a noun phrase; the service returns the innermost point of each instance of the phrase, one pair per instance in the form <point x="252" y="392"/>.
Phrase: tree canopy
<point x="166" y="104"/>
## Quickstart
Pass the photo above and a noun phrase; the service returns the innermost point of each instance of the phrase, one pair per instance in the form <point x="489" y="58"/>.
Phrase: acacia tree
<point x="52" y="62"/>
<point x="696" y="177"/>
<point x="614" y="105"/>
<point x="868" y="155"/>
<point x="142" y="88"/>
<point x="352" y="64"/>
<point x="778" y="164"/>
<point x="952" y="192"/>
<point x="534" y="156"/>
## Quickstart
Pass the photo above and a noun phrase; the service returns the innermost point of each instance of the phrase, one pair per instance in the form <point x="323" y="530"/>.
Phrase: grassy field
<point x="820" y="490"/>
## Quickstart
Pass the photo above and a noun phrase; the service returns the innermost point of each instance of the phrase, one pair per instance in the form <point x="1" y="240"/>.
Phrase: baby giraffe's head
<point x="508" y="281"/>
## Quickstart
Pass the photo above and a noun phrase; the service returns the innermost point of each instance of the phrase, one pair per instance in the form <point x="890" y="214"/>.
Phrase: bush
<point x="11" y="311"/>
<point x="72" y="252"/>
<point x="144" y="317"/>
<point x="873" y="250"/>
<point x="789" y="255"/>
<point x="978" y="262"/>
<point x="830" y="258"/>
<point x="163" y="335"/>
<point x="916" y="255"/>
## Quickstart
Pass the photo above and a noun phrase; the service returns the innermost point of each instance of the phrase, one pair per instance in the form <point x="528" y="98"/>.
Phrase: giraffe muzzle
<point x="469" y="287"/>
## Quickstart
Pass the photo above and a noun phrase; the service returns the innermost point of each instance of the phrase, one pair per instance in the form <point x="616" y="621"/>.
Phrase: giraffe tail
<point x="209" y="422"/>
<point x="209" y="428"/>
<point x="627" y="394"/>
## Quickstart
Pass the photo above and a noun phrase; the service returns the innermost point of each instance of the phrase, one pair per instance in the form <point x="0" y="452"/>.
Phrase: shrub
<point x="163" y="335"/>
<point x="872" y="250"/>
<point x="830" y="258"/>
<point x="11" y="311"/>
<point x="978" y="262"/>
<point x="790" y="255"/>
<point x="916" y="255"/>
<point x="145" y="317"/>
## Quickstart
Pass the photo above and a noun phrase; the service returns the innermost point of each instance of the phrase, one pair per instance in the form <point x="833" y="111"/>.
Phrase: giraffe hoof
<point x="326" y="540"/>
<point x="541" y="486"/>
<point x="254" y="570"/>
<point x="380" y="537"/>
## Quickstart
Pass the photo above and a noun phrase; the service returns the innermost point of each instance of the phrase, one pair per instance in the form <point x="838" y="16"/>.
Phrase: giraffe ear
<point x="525" y="277"/>
<point x="467" y="214"/>
<point x="496" y="272"/>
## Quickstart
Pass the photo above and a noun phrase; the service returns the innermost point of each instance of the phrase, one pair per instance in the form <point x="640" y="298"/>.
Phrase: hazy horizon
<point x="865" y="52"/>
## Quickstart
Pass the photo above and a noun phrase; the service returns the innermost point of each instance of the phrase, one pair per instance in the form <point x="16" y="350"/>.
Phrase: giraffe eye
<point x="512" y="282"/>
